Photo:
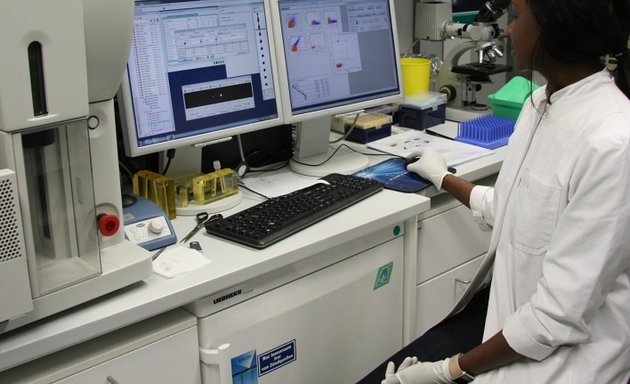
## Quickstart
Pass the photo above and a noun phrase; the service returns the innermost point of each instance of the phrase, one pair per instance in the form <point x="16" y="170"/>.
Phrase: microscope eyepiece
<point x="492" y="10"/>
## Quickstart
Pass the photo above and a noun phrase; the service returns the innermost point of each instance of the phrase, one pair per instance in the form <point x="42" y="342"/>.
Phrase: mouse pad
<point x="393" y="174"/>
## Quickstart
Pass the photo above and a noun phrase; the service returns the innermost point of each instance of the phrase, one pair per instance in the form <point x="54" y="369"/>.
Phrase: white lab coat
<point x="560" y="213"/>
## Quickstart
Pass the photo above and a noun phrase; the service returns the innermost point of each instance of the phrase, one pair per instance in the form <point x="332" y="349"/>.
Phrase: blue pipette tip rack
<point x="486" y="131"/>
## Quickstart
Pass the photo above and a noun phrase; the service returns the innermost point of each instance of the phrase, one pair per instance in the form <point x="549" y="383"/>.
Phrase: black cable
<point x="170" y="154"/>
<point x="337" y="149"/>
<point x="266" y="157"/>
<point x="270" y="167"/>
<point x="347" y="133"/>
<point x="252" y="191"/>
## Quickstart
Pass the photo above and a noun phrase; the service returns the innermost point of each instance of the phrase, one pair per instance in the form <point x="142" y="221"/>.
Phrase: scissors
<point x="201" y="218"/>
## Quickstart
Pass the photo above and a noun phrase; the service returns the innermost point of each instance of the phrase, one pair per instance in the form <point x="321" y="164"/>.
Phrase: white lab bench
<point x="391" y="220"/>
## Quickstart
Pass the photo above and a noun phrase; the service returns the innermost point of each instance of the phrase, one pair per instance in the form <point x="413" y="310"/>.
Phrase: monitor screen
<point x="336" y="55"/>
<point x="198" y="71"/>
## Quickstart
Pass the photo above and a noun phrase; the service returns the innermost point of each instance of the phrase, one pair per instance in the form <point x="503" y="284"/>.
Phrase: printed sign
<point x="278" y="357"/>
<point x="383" y="275"/>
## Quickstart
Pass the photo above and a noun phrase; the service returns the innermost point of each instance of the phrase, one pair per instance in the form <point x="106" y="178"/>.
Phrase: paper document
<point x="454" y="152"/>
<point x="177" y="260"/>
<point x="272" y="185"/>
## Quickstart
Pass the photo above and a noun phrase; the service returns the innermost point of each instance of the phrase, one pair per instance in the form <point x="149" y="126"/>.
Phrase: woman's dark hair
<point x="583" y="31"/>
<point x="622" y="74"/>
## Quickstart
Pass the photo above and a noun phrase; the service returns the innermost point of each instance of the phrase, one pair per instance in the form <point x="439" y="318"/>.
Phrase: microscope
<point x="62" y="242"/>
<point x="461" y="81"/>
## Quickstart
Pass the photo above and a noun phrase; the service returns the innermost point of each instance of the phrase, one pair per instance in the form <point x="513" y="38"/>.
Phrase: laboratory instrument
<point x="148" y="225"/>
<point x="199" y="72"/>
<point x="62" y="63"/>
<point x="461" y="81"/>
<point x="334" y="57"/>
<point x="273" y="220"/>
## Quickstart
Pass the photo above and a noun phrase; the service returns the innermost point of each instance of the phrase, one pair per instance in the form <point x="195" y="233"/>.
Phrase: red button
<point x="108" y="224"/>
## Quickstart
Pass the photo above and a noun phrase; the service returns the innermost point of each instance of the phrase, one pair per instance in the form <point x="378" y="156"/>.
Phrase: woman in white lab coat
<point x="559" y="302"/>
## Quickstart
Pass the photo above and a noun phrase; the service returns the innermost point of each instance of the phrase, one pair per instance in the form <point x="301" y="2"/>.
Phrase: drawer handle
<point x="460" y="287"/>
<point x="111" y="380"/>
<point x="220" y="358"/>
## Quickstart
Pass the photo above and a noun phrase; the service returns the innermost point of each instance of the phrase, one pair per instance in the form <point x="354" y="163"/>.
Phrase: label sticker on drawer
<point x="276" y="358"/>
<point x="383" y="275"/>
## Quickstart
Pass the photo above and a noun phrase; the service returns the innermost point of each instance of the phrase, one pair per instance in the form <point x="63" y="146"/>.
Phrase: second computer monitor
<point x="335" y="56"/>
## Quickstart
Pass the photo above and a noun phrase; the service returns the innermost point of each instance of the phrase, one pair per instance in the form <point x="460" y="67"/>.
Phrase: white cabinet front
<point x="332" y="326"/>
<point x="437" y="296"/>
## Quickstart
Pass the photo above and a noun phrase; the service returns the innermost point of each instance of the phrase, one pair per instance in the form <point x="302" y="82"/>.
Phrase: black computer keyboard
<point x="279" y="217"/>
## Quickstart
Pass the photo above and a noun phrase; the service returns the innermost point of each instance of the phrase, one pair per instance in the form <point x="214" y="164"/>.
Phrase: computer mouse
<point x="128" y="199"/>
<point x="411" y="160"/>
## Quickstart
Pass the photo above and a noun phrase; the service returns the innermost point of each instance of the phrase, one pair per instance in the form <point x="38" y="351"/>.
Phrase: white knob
<point x="156" y="226"/>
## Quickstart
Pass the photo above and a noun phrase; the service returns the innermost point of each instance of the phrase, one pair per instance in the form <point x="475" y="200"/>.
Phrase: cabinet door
<point x="167" y="361"/>
<point x="447" y="240"/>
<point x="435" y="298"/>
<point x="332" y="326"/>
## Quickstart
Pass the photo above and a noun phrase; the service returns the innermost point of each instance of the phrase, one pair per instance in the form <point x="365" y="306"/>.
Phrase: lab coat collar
<point x="583" y="86"/>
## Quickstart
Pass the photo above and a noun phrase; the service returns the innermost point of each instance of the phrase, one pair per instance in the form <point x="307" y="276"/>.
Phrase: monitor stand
<point x="312" y="149"/>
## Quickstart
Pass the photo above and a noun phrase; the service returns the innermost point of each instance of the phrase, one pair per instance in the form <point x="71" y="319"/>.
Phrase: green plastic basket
<point x="508" y="101"/>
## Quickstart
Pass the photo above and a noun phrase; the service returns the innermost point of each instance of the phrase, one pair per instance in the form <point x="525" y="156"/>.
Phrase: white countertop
<point x="231" y="264"/>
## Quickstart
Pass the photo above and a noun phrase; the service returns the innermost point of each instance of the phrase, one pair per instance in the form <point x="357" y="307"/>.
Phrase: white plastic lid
<point x="424" y="100"/>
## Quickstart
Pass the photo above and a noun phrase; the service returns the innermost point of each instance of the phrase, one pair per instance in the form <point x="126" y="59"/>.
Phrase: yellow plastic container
<point x="158" y="188"/>
<point x="416" y="73"/>
<point x="184" y="190"/>
<point x="214" y="186"/>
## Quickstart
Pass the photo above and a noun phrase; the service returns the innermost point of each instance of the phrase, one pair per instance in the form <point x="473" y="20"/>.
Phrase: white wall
<point x="404" y="19"/>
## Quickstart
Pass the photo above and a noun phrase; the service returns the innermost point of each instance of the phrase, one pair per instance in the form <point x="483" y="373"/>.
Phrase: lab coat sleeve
<point x="482" y="206"/>
<point x="585" y="257"/>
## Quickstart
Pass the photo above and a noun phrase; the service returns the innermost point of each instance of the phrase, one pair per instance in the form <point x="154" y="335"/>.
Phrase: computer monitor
<point x="334" y="56"/>
<point x="199" y="71"/>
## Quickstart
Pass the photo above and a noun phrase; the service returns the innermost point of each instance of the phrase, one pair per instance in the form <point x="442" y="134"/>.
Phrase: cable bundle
<point x="487" y="131"/>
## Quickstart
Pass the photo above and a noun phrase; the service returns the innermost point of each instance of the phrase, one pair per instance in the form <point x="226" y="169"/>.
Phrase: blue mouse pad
<point x="393" y="174"/>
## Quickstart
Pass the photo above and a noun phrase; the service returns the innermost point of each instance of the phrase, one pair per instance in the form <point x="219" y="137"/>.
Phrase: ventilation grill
<point x="10" y="220"/>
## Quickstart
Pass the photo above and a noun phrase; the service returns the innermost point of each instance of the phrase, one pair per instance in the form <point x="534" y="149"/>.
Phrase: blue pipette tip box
<point x="488" y="131"/>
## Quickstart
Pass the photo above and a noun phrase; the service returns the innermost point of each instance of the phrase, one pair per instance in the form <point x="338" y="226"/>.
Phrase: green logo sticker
<point x="383" y="275"/>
